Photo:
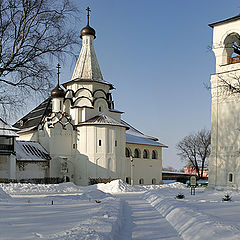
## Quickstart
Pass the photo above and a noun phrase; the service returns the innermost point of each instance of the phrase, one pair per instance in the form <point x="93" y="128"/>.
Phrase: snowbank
<point x="30" y="188"/>
<point x="118" y="186"/>
<point x="75" y="213"/>
<point x="89" y="195"/>
<point x="3" y="195"/>
<point x="189" y="223"/>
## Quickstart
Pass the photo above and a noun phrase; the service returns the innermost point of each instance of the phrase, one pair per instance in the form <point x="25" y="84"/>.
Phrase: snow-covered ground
<point x="116" y="211"/>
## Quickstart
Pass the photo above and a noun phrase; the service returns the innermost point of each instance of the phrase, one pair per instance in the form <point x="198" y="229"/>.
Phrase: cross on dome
<point x="88" y="30"/>
<point x="88" y="14"/>
<point x="58" y="73"/>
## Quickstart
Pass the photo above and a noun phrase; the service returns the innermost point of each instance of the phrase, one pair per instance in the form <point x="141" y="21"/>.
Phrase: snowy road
<point x="142" y="221"/>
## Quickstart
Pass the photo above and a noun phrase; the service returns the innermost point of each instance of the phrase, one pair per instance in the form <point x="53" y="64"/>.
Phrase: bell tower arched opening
<point x="231" y="52"/>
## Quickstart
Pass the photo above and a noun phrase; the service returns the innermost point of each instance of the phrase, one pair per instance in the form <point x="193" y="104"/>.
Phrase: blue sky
<point x="156" y="54"/>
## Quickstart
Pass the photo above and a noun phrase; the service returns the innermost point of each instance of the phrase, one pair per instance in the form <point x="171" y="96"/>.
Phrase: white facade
<point x="224" y="162"/>
<point x="87" y="139"/>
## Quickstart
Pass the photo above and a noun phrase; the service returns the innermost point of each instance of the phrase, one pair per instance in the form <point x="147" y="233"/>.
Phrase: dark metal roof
<point x="224" y="21"/>
<point x="31" y="151"/>
<point x="35" y="117"/>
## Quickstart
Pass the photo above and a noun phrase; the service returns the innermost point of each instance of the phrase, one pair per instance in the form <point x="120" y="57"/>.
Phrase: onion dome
<point x="88" y="30"/>
<point x="58" y="92"/>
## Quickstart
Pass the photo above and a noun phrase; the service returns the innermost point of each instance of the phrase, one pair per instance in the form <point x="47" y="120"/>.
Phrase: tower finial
<point x="88" y="14"/>
<point x="58" y="73"/>
<point x="88" y="30"/>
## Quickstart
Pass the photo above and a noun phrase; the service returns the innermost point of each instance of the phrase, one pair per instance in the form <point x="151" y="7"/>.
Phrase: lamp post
<point x="131" y="166"/>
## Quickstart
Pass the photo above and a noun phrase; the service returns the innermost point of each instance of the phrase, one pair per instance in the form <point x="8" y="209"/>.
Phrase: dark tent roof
<point x="35" y="117"/>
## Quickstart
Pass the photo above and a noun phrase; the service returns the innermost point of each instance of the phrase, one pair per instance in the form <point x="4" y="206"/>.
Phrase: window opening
<point x="99" y="143"/>
<point x="145" y="153"/>
<point x="154" y="155"/>
<point x="141" y="181"/>
<point x="127" y="152"/>
<point x="230" y="177"/>
<point x="136" y="153"/>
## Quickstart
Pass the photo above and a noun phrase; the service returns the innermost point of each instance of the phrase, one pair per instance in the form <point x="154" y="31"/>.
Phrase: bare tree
<point x="195" y="149"/>
<point x="32" y="34"/>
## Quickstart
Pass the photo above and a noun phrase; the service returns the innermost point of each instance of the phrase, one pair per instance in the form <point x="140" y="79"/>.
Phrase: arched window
<point x="145" y="153"/>
<point x="154" y="154"/>
<point x="127" y="152"/>
<point x="141" y="181"/>
<point x="154" y="181"/>
<point x="230" y="177"/>
<point x="136" y="153"/>
<point x="231" y="49"/>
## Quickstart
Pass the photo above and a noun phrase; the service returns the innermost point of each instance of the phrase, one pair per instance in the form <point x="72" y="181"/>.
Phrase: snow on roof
<point x="102" y="119"/>
<point x="135" y="136"/>
<point x="31" y="151"/>
<point x="7" y="130"/>
<point x="142" y="140"/>
<point x="182" y="173"/>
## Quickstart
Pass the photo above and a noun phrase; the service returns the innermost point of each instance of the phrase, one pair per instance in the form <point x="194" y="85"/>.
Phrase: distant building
<point x="192" y="170"/>
<point x="83" y="132"/>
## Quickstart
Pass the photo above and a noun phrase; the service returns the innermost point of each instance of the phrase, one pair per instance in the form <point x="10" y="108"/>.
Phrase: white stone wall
<point x="29" y="170"/>
<point x="144" y="168"/>
<point x="225" y="118"/>
<point x="4" y="166"/>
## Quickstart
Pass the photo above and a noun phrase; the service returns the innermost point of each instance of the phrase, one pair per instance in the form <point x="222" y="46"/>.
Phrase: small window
<point x="136" y="153"/>
<point x="60" y="105"/>
<point x="115" y="143"/>
<point x="154" y="181"/>
<point x="99" y="143"/>
<point x="100" y="109"/>
<point x="74" y="146"/>
<point x="145" y="153"/>
<point x="141" y="181"/>
<point x="154" y="154"/>
<point x="21" y="123"/>
<point x="230" y="177"/>
<point x="128" y="180"/>
<point x="127" y="152"/>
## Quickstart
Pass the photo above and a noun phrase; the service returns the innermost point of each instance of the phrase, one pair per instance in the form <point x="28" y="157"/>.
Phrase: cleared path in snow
<point x="142" y="221"/>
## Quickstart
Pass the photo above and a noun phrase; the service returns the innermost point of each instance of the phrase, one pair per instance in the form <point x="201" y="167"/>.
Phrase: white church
<point x="224" y="161"/>
<point x="84" y="134"/>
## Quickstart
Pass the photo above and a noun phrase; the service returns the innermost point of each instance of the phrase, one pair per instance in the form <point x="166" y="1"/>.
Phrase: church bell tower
<point x="224" y="161"/>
